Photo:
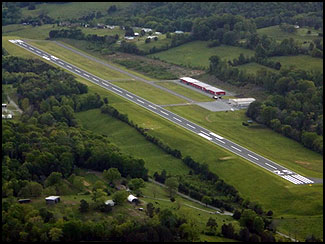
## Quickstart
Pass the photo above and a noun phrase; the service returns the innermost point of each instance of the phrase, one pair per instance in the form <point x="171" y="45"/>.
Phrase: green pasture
<point x="186" y="92"/>
<point x="149" y="92"/>
<point x="303" y="62"/>
<point x="72" y="10"/>
<point x="297" y="226"/>
<point x="300" y="35"/>
<point x="28" y="31"/>
<point x="251" y="181"/>
<point x="254" y="67"/>
<point x="131" y="142"/>
<point x="256" y="137"/>
<point x="162" y="41"/>
<point x="197" y="53"/>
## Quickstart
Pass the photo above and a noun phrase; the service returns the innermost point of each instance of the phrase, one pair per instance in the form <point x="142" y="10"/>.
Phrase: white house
<point x="52" y="199"/>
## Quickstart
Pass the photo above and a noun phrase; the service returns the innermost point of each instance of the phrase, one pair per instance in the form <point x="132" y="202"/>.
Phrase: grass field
<point x="131" y="142"/>
<point x="196" y="96"/>
<point x="28" y="31"/>
<point x="272" y="192"/>
<point x="303" y="62"/>
<point x="254" y="67"/>
<point x="71" y="10"/>
<point x="279" y="35"/>
<point x="149" y="92"/>
<point x="197" y="53"/>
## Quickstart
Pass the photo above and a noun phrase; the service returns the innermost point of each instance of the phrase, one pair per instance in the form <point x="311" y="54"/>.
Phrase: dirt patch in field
<point x="302" y="163"/>
<point x="207" y="118"/>
<point x="226" y="158"/>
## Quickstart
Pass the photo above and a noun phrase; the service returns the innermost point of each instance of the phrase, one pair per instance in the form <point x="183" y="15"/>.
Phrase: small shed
<point x="52" y="199"/>
<point x="110" y="202"/>
<point x="133" y="199"/>
<point x="23" y="201"/>
<point x="4" y="105"/>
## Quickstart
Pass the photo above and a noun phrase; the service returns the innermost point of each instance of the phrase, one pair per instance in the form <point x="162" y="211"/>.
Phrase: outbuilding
<point x="133" y="199"/>
<point x="110" y="202"/>
<point x="242" y="102"/>
<point x="52" y="199"/>
<point x="23" y="201"/>
<point x="202" y="86"/>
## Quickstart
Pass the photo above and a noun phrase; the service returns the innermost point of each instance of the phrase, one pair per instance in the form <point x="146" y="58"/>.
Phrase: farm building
<point x="52" y="199"/>
<point x="241" y="102"/>
<point x="7" y="116"/>
<point x="110" y="202"/>
<point x="133" y="199"/>
<point x="23" y="201"/>
<point x="202" y="86"/>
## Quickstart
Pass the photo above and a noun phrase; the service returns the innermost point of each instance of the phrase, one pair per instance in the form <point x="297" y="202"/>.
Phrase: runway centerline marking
<point x="252" y="156"/>
<point x="236" y="148"/>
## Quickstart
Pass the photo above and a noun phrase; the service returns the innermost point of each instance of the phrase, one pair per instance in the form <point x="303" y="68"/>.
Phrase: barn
<point x="52" y="199"/>
<point x="202" y="86"/>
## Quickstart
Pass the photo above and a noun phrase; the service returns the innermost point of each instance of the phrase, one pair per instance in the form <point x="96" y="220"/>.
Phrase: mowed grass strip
<point x="197" y="53"/>
<point x="131" y="142"/>
<point x="86" y="64"/>
<point x="257" y="138"/>
<point x="149" y="92"/>
<point x="196" y="96"/>
<point x="303" y="62"/>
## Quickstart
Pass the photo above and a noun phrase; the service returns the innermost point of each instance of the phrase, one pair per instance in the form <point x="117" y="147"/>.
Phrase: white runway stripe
<point x="177" y="119"/>
<point x="220" y="140"/>
<point x="164" y="112"/>
<point x="77" y="70"/>
<point x="151" y="106"/>
<point x="219" y="137"/>
<point x="270" y="166"/>
<point x="252" y="156"/>
<point x="86" y="75"/>
<point x="140" y="101"/>
<point x="206" y="137"/>
<point x="129" y="95"/>
<point x="236" y="148"/>
<point x="117" y="90"/>
<point x="190" y="126"/>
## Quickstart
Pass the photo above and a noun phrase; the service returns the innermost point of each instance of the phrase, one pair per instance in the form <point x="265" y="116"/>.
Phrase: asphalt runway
<point x="176" y="119"/>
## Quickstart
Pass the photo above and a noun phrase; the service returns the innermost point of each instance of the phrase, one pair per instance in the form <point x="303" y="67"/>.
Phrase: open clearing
<point x="279" y="35"/>
<point x="303" y="62"/>
<point x="197" y="53"/>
